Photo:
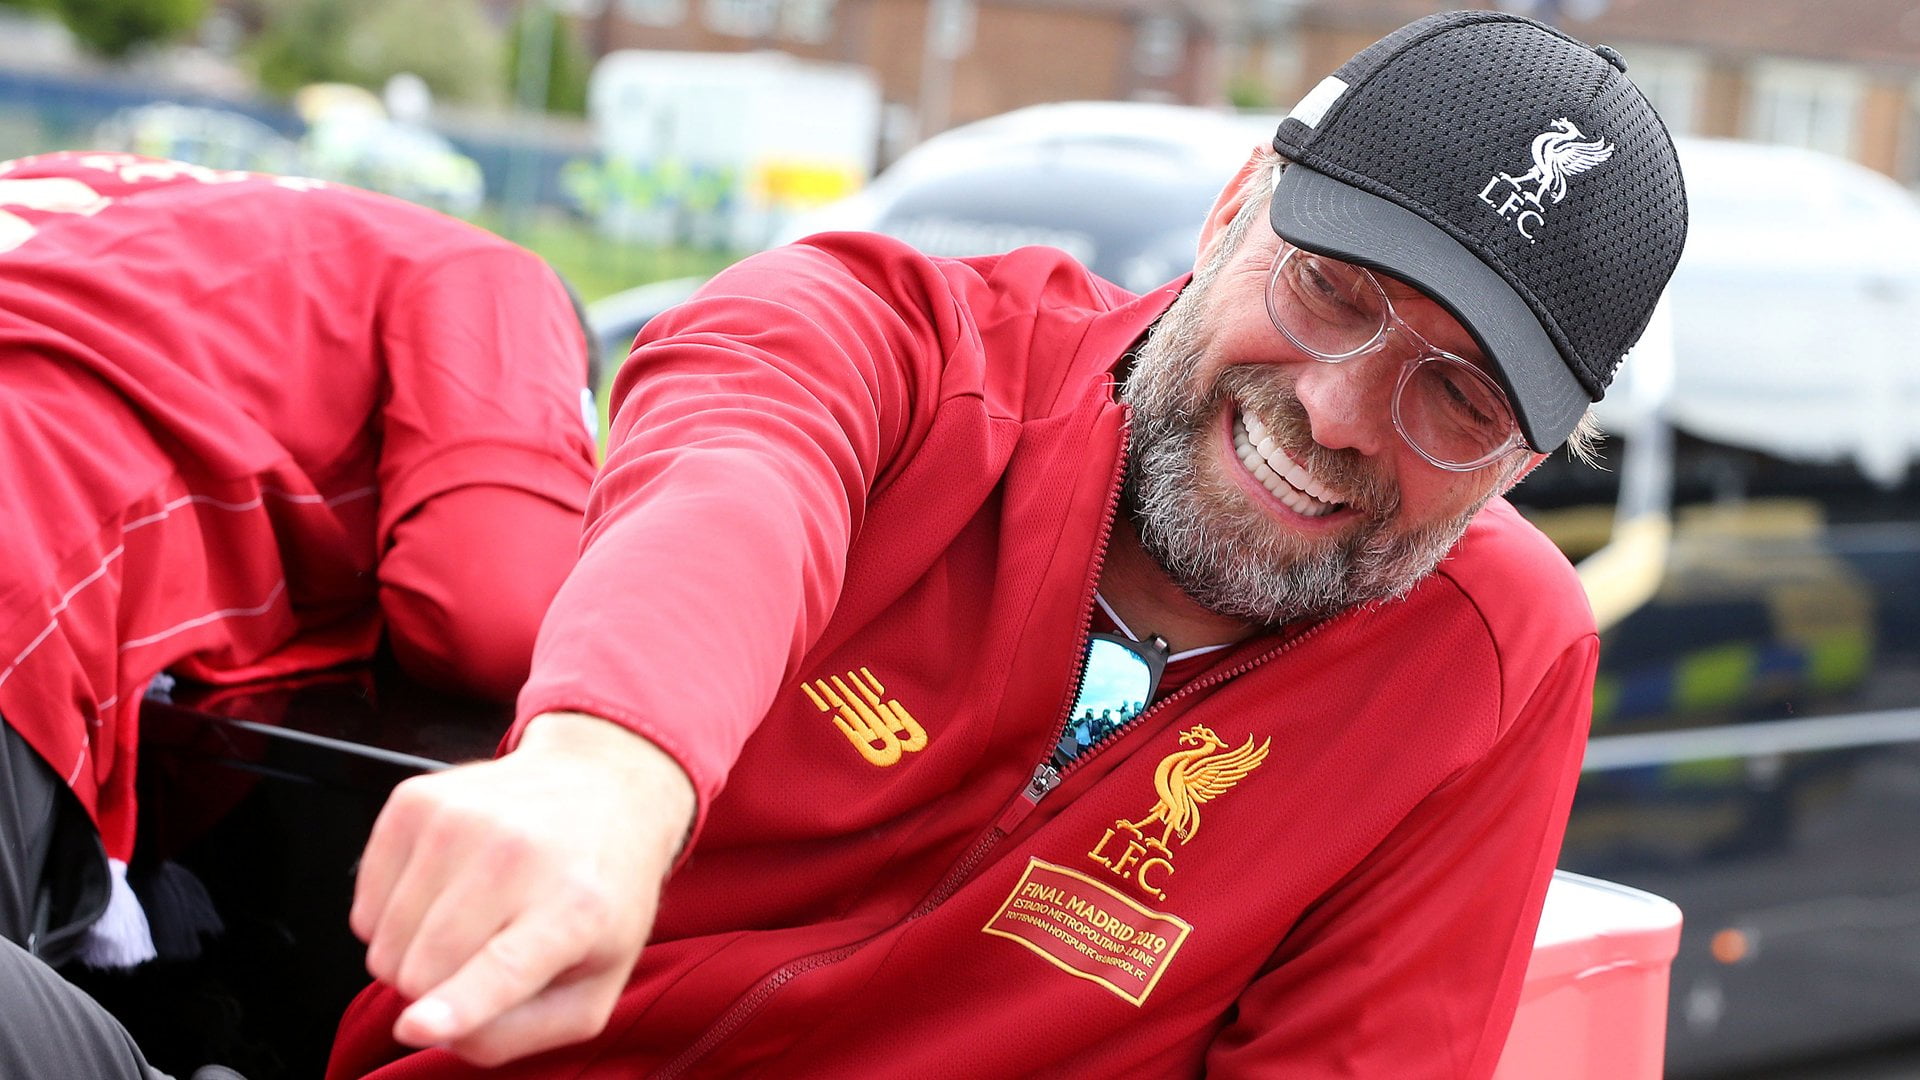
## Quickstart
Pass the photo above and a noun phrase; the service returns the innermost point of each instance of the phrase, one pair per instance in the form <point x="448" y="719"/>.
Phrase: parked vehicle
<point x="1120" y="186"/>
<point x="1756" y="750"/>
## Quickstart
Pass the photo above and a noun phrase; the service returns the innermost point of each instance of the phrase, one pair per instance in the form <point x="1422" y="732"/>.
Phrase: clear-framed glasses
<point x="1117" y="682"/>
<point x="1452" y="413"/>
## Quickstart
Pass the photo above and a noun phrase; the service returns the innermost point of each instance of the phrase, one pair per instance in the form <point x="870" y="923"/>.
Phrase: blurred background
<point x="631" y="140"/>
<point x="1752" y="545"/>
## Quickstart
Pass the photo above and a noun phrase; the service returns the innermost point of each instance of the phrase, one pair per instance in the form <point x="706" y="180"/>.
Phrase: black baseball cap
<point x="1512" y="173"/>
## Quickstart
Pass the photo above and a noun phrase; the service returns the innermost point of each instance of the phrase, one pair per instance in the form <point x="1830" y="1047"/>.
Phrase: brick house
<point x="946" y="62"/>
<point x="1838" y="77"/>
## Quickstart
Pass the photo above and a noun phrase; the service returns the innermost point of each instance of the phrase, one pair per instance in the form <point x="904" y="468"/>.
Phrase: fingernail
<point x="432" y="1017"/>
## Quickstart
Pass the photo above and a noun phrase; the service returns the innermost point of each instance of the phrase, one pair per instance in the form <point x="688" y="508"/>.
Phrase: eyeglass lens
<point x="1453" y="412"/>
<point x="1116" y="685"/>
<point x="1450" y="410"/>
<point x="1329" y="308"/>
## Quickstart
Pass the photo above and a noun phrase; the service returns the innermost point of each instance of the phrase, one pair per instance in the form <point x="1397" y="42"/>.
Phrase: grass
<point x="596" y="265"/>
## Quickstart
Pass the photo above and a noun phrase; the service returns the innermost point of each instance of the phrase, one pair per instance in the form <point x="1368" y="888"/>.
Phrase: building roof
<point x="1873" y="32"/>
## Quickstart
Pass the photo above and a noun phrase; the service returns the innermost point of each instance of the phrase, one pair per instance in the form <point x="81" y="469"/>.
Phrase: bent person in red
<point x="248" y="426"/>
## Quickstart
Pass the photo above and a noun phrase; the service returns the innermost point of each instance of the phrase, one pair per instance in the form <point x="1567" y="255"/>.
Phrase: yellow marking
<point x="1623" y="576"/>
<point x="873" y="724"/>
<point x="1185" y="780"/>
<point x="1135" y="992"/>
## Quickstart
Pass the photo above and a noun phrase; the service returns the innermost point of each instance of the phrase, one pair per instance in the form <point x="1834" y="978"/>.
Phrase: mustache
<point x="1267" y="393"/>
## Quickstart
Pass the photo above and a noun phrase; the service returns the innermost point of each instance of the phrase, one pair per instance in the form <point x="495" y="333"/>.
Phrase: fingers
<point x="510" y="899"/>
<point x="440" y="924"/>
<point x="388" y="848"/>
<point x="530" y="987"/>
<point x="566" y="1013"/>
<point x="396" y="893"/>
<point x="488" y="917"/>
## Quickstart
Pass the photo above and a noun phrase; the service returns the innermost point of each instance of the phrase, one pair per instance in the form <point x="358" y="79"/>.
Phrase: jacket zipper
<point x="1044" y="780"/>
<point x="1046" y="777"/>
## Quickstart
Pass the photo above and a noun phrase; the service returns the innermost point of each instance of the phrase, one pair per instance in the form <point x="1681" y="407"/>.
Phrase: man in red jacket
<point x="249" y="425"/>
<point x="1011" y="676"/>
<point x="847" y="653"/>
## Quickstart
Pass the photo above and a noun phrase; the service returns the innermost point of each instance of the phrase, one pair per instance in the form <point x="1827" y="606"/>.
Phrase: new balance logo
<point x="881" y="729"/>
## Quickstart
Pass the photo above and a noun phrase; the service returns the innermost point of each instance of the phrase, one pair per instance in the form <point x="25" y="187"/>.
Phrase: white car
<point x="1794" y="307"/>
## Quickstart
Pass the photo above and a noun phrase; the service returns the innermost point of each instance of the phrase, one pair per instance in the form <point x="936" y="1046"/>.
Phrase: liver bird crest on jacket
<point x="1558" y="153"/>
<point x="1185" y="779"/>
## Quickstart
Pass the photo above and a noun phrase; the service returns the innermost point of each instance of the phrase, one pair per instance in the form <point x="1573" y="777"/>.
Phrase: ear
<point x="1229" y="201"/>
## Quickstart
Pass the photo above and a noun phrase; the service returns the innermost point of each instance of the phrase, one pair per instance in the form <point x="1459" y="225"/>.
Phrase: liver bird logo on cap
<point x="1558" y="153"/>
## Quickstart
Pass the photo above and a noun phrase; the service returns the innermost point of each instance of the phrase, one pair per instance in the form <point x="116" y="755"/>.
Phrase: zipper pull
<point x="1045" y="779"/>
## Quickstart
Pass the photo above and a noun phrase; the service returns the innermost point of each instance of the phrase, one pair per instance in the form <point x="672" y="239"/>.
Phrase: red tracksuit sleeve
<point x="467" y="624"/>
<point x="485" y="462"/>
<point x="1412" y="967"/>
<point x="749" y="426"/>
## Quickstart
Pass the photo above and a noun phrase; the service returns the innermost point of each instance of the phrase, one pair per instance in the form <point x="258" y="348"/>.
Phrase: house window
<point x="1812" y="105"/>
<point x="742" y="18"/>
<point x="1159" y="43"/>
<point x="1672" y="80"/>
<point x="654" y="12"/>
<point x="810" y="21"/>
<point x="1907" y="165"/>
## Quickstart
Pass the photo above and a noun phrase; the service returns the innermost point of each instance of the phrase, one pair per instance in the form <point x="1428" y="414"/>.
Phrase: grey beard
<point x="1223" y="551"/>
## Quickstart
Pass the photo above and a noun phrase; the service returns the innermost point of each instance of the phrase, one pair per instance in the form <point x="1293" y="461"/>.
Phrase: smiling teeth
<point x="1277" y="472"/>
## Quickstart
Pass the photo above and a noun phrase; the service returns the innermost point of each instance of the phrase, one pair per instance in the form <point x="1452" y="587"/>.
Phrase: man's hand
<point x="510" y="899"/>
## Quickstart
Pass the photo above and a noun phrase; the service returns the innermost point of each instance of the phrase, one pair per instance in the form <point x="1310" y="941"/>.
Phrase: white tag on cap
<point x="1318" y="101"/>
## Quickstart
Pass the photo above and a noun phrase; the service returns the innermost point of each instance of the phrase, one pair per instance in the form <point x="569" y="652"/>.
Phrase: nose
<point x="1349" y="404"/>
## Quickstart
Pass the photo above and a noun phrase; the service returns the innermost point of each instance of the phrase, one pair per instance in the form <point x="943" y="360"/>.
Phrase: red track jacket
<point x="841" y="565"/>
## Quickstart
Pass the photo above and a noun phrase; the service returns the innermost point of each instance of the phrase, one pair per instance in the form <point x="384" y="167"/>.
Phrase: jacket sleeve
<point x="1412" y="966"/>
<point x="466" y="580"/>
<point x="485" y="462"/>
<point x="749" y="426"/>
<point x="486" y="366"/>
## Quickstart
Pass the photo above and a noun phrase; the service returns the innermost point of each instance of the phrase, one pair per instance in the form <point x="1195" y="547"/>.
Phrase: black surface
<point x="267" y="795"/>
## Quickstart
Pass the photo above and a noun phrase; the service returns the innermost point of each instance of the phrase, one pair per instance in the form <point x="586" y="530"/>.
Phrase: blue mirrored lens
<point x="1112" y="692"/>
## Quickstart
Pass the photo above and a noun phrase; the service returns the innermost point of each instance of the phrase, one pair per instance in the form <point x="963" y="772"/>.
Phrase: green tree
<point x="114" y="28"/>
<point x="1246" y="92"/>
<point x="304" y="41"/>
<point x="449" y="43"/>
<point x="567" y="63"/>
